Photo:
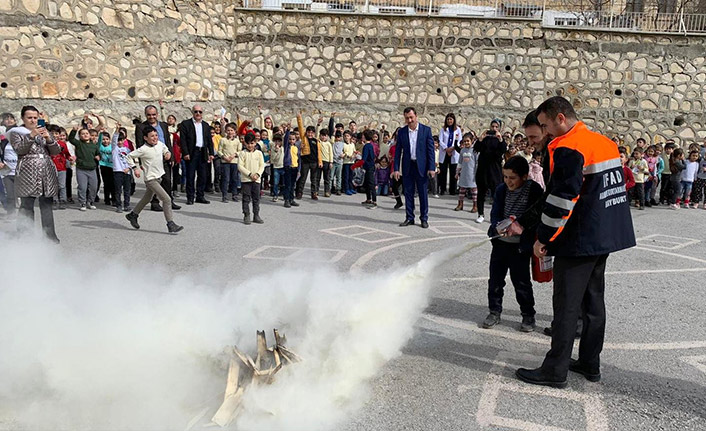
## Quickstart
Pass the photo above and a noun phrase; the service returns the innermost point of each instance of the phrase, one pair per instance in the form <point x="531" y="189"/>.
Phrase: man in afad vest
<point x="586" y="216"/>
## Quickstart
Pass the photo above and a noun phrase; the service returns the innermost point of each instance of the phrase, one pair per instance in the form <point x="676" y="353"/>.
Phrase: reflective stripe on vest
<point x="599" y="167"/>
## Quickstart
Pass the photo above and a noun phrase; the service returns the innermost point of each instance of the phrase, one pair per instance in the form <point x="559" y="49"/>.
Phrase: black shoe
<point x="490" y="321"/>
<point x="406" y="223"/>
<point x="246" y="219"/>
<point x="189" y="201"/>
<point x="294" y="203"/>
<point x="537" y="377"/>
<point x="156" y="207"/>
<point x="173" y="227"/>
<point x="398" y="205"/>
<point x="590" y="375"/>
<point x="256" y="219"/>
<point x="425" y="225"/>
<point x="528" y="324"/>
<point x="286" y="204"/>
<point x="548" y="332"/>
<point x="202" y="201"/>
<point x="175" y="206"/>
<point x="132" y="218"/>
<point x="224" y="200"/>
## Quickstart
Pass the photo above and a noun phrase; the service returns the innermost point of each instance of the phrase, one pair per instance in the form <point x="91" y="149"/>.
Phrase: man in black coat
<point x="197" y="151"/>
<point x="162" y="129"/>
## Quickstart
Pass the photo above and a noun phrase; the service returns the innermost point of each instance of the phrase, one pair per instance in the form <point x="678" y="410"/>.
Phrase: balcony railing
<point x="652" y="21"/>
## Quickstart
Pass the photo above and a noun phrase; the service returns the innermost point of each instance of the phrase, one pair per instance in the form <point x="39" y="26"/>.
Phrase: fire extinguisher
<point x="542" y="269"/>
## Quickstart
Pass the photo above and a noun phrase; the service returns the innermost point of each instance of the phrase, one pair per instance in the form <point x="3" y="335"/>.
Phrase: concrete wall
<point x="113" y="57"/>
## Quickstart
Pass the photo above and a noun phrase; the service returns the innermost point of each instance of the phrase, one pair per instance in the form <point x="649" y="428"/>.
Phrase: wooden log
<point x="228" y="410"/>
<point x="280" y="340"/>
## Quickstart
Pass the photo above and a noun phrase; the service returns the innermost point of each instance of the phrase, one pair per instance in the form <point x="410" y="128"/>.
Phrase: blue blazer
<point x="425" y="150"/>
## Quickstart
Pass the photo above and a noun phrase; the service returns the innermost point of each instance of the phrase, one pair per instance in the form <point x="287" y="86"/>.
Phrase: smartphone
<point x="41" y="123"/>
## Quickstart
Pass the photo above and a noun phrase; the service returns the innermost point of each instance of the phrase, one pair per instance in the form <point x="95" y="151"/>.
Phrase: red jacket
<point x="629" y="178"/>
<point x="177" y="149"/>
<point x="61" y="158"/>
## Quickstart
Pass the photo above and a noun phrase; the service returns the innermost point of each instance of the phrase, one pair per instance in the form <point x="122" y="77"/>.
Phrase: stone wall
<point x="113" y="57"/>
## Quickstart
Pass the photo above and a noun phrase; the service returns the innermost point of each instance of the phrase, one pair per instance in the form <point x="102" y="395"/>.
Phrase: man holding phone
<point x="36" y="176"/>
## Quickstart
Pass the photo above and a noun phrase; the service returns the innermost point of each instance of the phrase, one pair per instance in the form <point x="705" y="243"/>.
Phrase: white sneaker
<point x="93" y="207"/>
<point x="674" y="206"/>
<point x="437" y="196"/>
<point x="83" y="208"/>
<point x="480" y="219"/>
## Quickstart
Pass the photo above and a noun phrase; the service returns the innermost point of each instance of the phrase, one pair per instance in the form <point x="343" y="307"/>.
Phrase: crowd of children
<point x="279" y="159"/>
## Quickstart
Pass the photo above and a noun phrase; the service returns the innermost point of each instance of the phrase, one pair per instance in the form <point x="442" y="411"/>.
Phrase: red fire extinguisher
<point x="542" y="269"/>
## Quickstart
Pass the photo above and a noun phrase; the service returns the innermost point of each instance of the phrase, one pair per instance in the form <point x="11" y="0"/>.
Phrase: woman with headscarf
<point x="449" y="136"/>
<point x="36" y="176"/>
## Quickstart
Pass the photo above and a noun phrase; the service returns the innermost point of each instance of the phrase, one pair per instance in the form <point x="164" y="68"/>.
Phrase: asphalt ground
<point x="453" y="375"/>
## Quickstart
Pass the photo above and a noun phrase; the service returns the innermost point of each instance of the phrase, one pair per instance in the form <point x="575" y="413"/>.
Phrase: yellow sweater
<point x="306" y="146"/>
<point x="294" y="152"/>
<point x="229" y="147"/>
<point x="326" y="150"/>
<point x="250" y="163"/>
<point x="348" y="154"/>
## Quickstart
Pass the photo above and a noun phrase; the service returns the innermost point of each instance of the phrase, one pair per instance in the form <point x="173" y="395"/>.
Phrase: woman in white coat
<point x="449" y="136"/>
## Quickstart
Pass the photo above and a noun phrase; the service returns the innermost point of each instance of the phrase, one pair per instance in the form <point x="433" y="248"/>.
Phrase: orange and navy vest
<point x="587" y="210"/>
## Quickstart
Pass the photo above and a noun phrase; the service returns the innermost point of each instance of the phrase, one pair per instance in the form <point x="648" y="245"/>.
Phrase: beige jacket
<point x="151" y="157"/>
<point x="227" y="148"/>
<point x="250" y="163"/>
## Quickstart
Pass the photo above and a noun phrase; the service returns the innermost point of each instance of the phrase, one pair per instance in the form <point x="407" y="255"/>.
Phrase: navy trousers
<point x="411" y="180"/>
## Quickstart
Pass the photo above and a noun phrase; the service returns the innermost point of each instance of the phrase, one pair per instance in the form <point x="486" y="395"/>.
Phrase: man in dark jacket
<point x="162" y="129"/>
<point x="197" y="151"/>
<point x="585" y="217"/>
<point x="489" y="174"/>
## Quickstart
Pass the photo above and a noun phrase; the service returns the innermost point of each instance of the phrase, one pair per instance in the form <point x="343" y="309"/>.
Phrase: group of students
<point x="678" y="176"/>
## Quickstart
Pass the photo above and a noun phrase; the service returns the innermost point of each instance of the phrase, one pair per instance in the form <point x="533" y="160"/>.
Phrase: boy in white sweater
<point x="251" y="165"/>
<point x="150" y="156"/>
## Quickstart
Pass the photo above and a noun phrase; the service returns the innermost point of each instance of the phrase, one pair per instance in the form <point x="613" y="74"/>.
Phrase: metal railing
<point x="650" y="21"/>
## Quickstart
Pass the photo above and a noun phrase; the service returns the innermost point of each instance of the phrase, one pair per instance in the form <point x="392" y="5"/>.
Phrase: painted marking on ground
<point x="498" y="381"/>
<point x="633" y="272"/>
<point x="449" y="227"/>
<point x="667" y="242"/>
<point x="367" y="257"/>
<point x="297" y="254"/>
<point x="365" y="234"/>
<point x="537" y="338"/>
<point x="699" y="362"/>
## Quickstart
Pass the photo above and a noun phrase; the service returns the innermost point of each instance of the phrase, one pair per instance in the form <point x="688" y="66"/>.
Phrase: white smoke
<point x="89" y="343"/>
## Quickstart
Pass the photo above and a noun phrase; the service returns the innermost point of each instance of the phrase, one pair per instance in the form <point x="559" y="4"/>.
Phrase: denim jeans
<point x="336" y="177"/>
<point x="278" y="175"/>
<point x="229" y="179"/>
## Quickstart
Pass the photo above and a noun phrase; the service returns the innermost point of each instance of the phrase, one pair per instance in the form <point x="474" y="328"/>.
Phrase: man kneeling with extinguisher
<point x="584" y="218"/>
<point x="512" y="199"/>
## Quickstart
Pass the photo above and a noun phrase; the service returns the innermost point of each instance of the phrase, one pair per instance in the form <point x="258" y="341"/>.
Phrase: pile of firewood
<point x="244" y="372"/>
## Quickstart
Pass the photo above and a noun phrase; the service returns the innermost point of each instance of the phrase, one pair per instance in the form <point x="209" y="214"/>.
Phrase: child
<point x="291" y="168"/>
<point x="61" y="160"/>
<point x="263" y="141"/>
<point x="382" y="177"/>
<point x="666" y="191"/>
<point x="369" y="166"/>
<point x="309" y="159"/>
<point x="510" y="153"/>
<point x="327" y="160"/>
<point x="106" y="169"/>
<point x="640" y="170"/>
<point x="228" y="149"/>
<point x="150" y="156"/>
<point x="466" y="172"/>
<point x="8" y="166"/>
<point x="536" y="173"/>
<point x="676" y="165"/>
<point x="688" y="176"/>
<point x="251" y="164"/>
<point x="700" y="182"/>
<point x="337" y="169"/>
<point x="512" y="198"/>
<point x="659" y="169"/>
<point x="627" y="172"/>
<point x="87" y="155"/>
<point x="651" y="160"/>
<point x="121" y="171"/>
<point x="277" y="163"/>
<point x="348" y="160"/>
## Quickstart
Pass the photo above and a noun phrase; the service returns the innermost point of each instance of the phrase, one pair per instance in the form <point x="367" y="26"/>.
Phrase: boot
<point x="475" y="208"/>
<point x="156" y="207"/>
<point x="246" y="219"/>
<point x="399" y="204"/>
<point x="459" y="207"/>
<point x="132" y="218"/>
<point x="257" y="219"/>
<point x="173" y="227"/>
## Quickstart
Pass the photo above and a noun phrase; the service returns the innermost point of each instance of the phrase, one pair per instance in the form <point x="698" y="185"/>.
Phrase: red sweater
<point x="61" y="158"/>
<point x="629" y="178"/>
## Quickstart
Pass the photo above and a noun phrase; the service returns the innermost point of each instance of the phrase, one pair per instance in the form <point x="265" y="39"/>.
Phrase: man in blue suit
<point x="415" y="149"/>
